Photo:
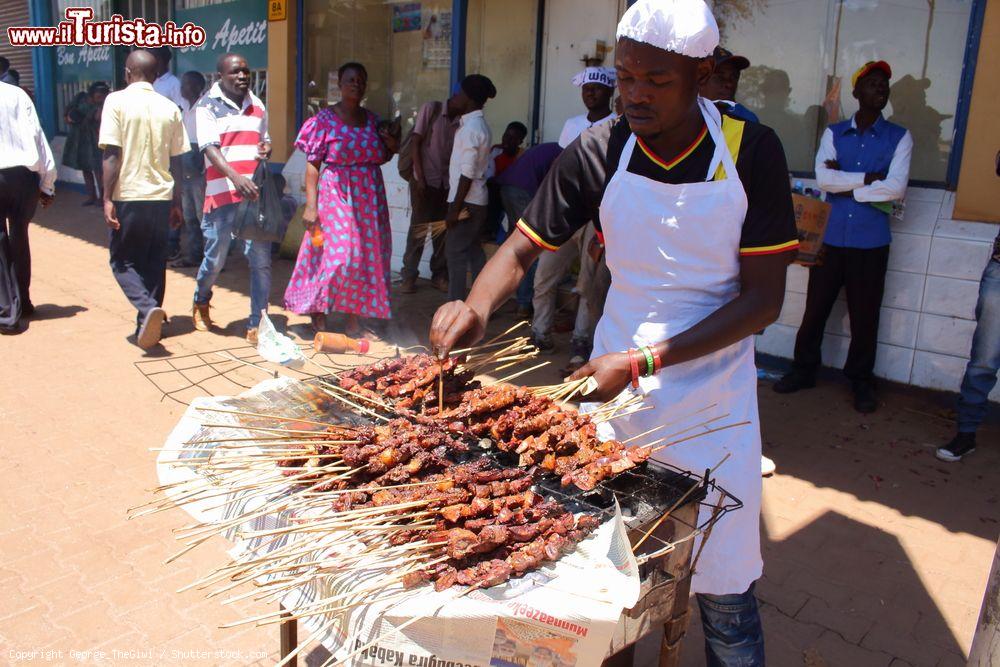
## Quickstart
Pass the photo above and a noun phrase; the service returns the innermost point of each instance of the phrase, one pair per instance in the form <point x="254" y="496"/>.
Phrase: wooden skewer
<point x="698" y="435"/>
<point x="519" y="373"/>
<point x="275" y="417"/>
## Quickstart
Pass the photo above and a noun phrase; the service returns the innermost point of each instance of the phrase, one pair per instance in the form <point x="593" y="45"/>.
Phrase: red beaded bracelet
<point x="634" y="364"/>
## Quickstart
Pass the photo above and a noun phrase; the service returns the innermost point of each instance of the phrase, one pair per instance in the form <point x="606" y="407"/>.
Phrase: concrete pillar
<point x="281" y="56"/>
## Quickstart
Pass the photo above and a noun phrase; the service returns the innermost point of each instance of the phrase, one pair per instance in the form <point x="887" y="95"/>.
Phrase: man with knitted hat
<point x="694" y="209"/>
<point x="863" y="164"/>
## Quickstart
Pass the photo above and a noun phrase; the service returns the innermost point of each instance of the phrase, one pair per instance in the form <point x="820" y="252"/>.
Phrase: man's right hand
<point x="871" y="177"/>
<point x="245" y="187"/>
<point x="455" y="324"/>
<point x="419" y="185"/>
<point x="110" y="217"/>
<point x="45" y="199"/>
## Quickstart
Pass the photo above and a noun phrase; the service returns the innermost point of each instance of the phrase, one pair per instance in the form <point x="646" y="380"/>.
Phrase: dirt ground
<point x="875" y="553"/>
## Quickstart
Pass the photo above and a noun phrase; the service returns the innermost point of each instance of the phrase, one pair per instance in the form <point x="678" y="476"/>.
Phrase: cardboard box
<point x="811" y="216"/>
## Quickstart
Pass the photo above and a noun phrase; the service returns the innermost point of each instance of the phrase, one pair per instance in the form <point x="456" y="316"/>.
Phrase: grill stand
<point x="665" y="585"/>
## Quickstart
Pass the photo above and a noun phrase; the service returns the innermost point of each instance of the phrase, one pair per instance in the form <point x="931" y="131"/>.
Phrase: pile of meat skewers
<point x="540" y="432"/>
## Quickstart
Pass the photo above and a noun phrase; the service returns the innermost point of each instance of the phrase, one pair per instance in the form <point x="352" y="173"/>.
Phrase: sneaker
<point x="440" y="284"/>
<point x="525" y="313"/>
<point x="793" y="382"/>
<point x="864" y="397"/>
<point x="201" y="317"/>
<point x="767" y="466"/>
<point x="183" y="263"/>
<point x="27" y="309"/>
<point x="408" y="286"/>
<point x="960" y="445"/>
<point x="252" y="336"/>
<point x="544" y="344"/>
<point x="151" y="328"/>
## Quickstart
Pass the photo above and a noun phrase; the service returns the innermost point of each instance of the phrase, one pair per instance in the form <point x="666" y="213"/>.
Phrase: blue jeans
<point x="733" y="633"/>
<point x="984" y="359"/>
<point x="217" y="228"/>
<point x="193" y="202"/>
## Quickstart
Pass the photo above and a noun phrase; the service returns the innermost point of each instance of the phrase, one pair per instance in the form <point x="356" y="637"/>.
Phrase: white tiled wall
<point x="928" y="313"/>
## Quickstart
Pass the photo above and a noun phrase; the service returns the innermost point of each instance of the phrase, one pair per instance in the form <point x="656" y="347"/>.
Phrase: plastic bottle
<point x="335" y="343"/>
<point x="797" y="189"/>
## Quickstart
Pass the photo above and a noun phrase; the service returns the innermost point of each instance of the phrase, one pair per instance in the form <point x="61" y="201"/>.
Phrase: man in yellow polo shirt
<point x="142" y="136"/>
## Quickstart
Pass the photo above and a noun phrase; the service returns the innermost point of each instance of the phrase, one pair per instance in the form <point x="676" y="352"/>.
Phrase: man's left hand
<point x="612" y="373"/>
<point x="45" y="199"/>
<point x="390" y="140"/>
<point x="832" y="164"/>
<point x="263" y="150"/>
<point x="176" y="217"/>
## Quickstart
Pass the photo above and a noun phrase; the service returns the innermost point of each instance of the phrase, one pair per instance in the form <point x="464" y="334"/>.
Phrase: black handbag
<point x="260" y="219"/>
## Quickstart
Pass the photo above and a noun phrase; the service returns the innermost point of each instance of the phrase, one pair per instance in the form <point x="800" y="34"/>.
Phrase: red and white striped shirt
<point x="236" y="132"/>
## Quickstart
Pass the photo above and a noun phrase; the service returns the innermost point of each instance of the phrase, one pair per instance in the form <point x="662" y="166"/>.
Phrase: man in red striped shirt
<point x="232" y="134"/>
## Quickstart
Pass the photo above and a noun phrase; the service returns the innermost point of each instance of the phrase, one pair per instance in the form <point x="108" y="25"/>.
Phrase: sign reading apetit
<point x="237" y="27"/>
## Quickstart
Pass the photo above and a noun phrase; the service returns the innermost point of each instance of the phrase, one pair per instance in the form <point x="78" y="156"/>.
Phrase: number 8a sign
<point x="277" y="10"/>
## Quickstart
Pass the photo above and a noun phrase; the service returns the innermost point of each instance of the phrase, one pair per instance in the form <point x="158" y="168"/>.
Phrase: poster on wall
<point x="406" y="18"/>
<point x="437" y="40"/>
<point x="239" y="27"/>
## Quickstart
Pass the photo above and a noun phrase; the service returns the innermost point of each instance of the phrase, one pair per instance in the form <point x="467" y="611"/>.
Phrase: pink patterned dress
<point x="349" y="272"/>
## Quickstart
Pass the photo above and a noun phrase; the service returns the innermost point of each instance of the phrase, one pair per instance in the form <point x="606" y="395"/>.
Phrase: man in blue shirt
<point x="863" y="164"/>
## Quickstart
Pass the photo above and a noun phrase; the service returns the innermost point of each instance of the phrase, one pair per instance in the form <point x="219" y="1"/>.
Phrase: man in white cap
<point x="597" y="85"/>
<point x="696" y="215"/>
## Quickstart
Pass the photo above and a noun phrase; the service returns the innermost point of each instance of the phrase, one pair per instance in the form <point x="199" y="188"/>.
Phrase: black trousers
<point x="18" y="201"/>
<point x="139" y="252"/>
<point x="862" y="273"/>
<point x="431" y="207"/>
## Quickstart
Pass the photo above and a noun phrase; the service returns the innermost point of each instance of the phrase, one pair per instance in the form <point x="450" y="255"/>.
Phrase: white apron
<point x="673" y="252"/>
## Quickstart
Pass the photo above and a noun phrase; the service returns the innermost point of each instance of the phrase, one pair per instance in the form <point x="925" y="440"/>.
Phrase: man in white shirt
<point x="467" y="195"/>
<point x="27" y="176"/>
<point x="166" y="83"/>
<point x="193" y="184"/>
<point x="597" y="85"/>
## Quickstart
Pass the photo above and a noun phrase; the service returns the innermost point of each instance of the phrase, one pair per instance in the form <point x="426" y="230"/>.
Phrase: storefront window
<point x="405" y="46"/>
<point x="77" y="67"/>
<point x="802" y="55"/>
<point x="231" y="26"/>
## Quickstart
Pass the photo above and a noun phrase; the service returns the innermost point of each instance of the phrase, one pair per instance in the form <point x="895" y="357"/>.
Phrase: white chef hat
<point x="602" y="75"/>
<point x="686" y="27"/>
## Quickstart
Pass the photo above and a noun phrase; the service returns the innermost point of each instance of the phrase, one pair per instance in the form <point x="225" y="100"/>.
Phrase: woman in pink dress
<point x="343" y="263"/>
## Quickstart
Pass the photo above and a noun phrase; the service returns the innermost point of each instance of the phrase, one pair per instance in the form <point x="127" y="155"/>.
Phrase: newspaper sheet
<point x="561" y="615"/>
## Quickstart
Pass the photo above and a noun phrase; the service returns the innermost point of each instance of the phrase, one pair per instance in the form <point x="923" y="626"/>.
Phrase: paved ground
<point x="875" y="553"/>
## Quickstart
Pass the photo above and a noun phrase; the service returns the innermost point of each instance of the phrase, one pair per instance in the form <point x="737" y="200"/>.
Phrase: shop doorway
<point x="500" y="43"/>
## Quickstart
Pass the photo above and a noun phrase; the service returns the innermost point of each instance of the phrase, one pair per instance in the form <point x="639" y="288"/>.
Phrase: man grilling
<point x="696" y="216"/>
